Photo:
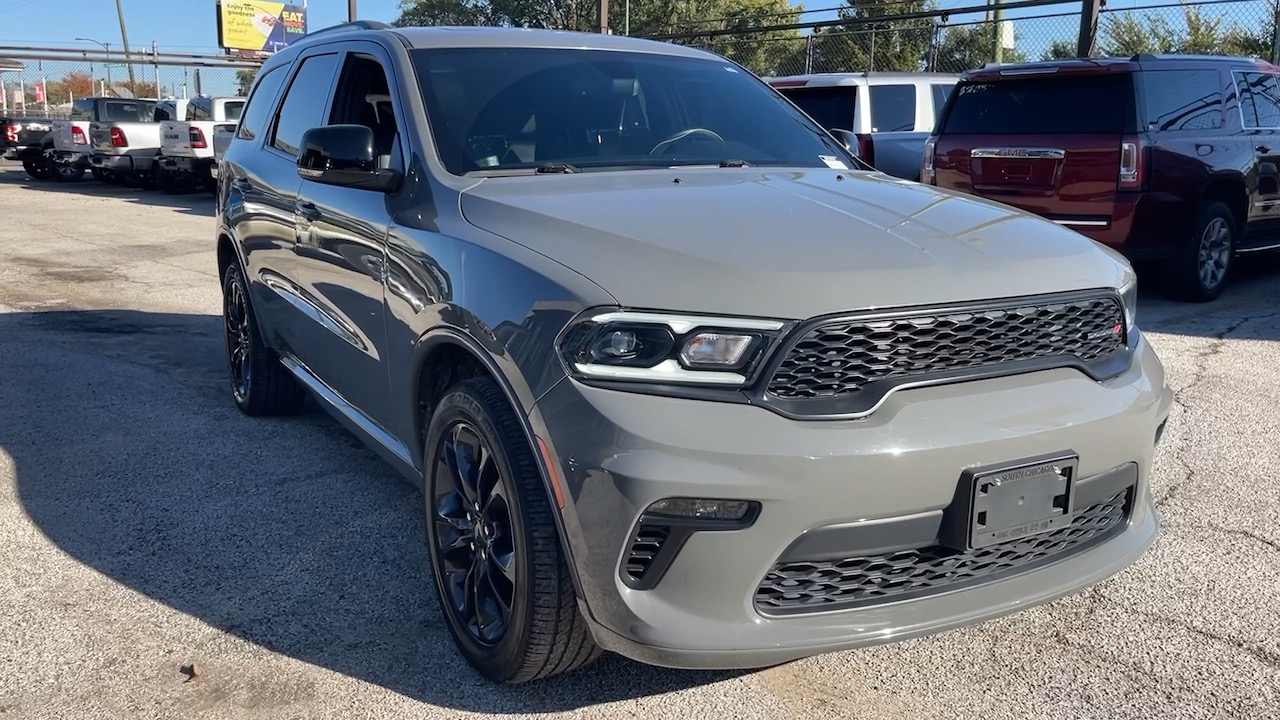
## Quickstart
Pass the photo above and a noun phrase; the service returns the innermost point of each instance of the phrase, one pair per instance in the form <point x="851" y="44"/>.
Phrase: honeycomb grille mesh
<point x="831" y="584"/>
<point x="840" y="358"/>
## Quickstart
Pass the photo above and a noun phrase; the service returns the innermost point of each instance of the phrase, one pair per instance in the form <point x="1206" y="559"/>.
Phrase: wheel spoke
<point x="492" y="608"/>
<point x="466" y="451"/>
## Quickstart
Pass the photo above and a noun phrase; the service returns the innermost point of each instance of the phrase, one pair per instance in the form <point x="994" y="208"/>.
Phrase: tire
<point x="1202" y="268"/>
<point x="62" y="172"/>
<point x="37" y="169"/>
<point x="542" y="634"/>
<point x="104" y="176"/>
<point x="260" y="384"/>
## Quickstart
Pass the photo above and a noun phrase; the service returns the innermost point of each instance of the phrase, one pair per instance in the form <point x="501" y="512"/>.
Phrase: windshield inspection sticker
<point x="833" y="162"/>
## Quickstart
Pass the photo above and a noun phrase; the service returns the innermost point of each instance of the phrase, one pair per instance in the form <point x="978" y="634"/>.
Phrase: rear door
<point x="1049" y="144"/>
<point x="1259" y="94"/>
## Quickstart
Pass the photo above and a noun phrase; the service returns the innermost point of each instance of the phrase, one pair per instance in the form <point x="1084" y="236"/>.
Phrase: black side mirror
<point x="847" y="139"/>
<point x="344" y="155"/>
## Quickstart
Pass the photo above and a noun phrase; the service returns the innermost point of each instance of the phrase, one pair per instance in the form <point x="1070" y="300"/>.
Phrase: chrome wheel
<point x="239" y="342"/>
<point x="1215" y="253"/>
<point x="473" y="543"/>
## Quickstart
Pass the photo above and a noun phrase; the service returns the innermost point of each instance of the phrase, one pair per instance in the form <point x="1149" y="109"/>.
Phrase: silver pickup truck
<point x="889" y="114"/>
<point x="128" y="150"/>
<point x="187" y="146"/>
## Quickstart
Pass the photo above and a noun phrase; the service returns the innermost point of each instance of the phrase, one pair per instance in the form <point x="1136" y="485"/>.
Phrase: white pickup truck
<point x="128" y="151"/>
<point x="71" y="144"/>
<point x="187" y="148"/>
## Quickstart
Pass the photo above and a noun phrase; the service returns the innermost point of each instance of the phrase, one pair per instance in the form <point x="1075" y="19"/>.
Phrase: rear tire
<point x="1202" y="268"/>
<point x="104" y="176"/>
<point x="505" y="537"/>
<point x="61" y="172"/>
<point x="260" y="384"/>
<point x="37" y="169"/>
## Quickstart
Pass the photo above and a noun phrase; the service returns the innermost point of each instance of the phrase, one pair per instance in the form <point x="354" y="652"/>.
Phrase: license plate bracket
<point x="1001" y="503"/>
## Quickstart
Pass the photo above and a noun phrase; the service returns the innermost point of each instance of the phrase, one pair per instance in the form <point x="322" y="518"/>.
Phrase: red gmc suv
<point x="1171" y="159"/>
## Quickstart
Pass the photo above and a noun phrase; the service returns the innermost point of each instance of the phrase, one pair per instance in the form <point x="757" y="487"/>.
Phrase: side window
<point x="940" y="95"/>
<point x="893" y="107"/>
<point x="260" y="104"/>
<point x="1260" y="100"/>
<point x="165" y="112"/>
<point x="1182" y="99"/>
<point x="364" y="98"/>
<point x="306" y="103"/>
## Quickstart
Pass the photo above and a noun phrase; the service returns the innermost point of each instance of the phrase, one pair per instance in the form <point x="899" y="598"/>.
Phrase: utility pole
<point x="351" y="10"/>
<point x="997" y="46"/>
<point x="124" y="36"/>
<point x="155" y="65"/>
<point x="604" y="16"/>
<point x="1088" y="28"/>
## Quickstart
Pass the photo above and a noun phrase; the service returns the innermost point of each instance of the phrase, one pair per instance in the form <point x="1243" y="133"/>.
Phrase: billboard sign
<point x="260" y="25"/>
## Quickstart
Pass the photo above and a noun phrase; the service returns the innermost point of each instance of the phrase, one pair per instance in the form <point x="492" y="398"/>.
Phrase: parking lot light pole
<point x="106" y="49"/>
<point x="351" y="10"/>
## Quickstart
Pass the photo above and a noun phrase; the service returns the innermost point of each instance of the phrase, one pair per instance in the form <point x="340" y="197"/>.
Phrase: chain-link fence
<point x="49" y="87"/>
<point x="953" y="43"/>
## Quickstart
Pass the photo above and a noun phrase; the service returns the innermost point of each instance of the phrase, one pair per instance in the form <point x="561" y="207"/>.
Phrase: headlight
<point x="1129" y="298"/>
<point x="667" y="348"/>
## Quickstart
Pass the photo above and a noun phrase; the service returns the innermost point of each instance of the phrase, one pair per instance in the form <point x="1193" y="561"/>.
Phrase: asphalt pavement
<point x="162" y="556"/>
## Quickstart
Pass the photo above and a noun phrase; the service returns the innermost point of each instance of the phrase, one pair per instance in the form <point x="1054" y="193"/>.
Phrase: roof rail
<point x="353" y="25"/>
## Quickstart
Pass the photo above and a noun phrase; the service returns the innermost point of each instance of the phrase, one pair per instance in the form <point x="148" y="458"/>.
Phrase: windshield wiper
<point x="555" y="167"/>
<point x="733" y="163"/>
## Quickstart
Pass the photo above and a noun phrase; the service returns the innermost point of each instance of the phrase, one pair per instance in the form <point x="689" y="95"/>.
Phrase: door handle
<point x="307" y="210"/>
<point x="1262" y="149"/>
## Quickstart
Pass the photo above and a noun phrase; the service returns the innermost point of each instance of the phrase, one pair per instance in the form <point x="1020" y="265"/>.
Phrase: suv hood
<point x="785" y="244"/>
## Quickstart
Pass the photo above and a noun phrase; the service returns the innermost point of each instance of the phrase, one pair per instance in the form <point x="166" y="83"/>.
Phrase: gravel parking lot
<point x="146" y="526"/>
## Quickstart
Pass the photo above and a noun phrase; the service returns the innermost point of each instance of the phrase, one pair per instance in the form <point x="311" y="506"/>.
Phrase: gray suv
<point x="679" y="378"/>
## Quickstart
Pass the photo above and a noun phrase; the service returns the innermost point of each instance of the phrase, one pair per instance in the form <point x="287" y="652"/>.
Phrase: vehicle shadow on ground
<point x="1253" y="292"/>
<point x="286" y="533"/>
<point x="196" y="203"/>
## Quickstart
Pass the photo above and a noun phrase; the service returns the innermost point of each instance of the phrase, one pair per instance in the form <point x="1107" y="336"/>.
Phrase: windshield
<point x="493" y="109"/>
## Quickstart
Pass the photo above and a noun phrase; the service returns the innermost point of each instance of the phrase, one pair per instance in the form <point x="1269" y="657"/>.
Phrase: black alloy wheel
<point x="260" y="383"/>
<point x="500" y="574"/>
<point x="238" y="338"/>
<point x="474" y="542"/>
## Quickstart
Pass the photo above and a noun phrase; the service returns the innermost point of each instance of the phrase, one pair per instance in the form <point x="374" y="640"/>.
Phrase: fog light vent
<point x="645" y="546"/>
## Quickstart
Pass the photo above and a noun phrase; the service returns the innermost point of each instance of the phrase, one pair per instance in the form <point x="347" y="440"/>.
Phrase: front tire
<point x="260" y="384"/>
<point x="500" y="573"/>
<point x="1201" y="270"/>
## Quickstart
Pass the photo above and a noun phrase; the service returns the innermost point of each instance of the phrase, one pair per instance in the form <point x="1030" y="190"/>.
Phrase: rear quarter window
<point x="1080" y="105"/>
<point x="1182" y="99"/>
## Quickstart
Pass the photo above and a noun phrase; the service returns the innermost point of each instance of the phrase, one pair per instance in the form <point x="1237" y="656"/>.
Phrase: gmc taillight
<point x="927" y="171"/>
<point x="866" y="149"/>
<point x="118" y="139"/>
<point x="197" y="139"/>
<point x="78" y="137"/>
<point x="1133" y="164"/>
<point x="11" y="133"/>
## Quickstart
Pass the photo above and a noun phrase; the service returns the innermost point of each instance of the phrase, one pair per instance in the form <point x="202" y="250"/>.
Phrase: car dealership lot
<point x="147" y="526"/>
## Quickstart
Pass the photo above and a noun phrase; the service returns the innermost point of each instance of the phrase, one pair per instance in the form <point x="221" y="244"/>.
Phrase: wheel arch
<point x="450" y="354"/>
<point x="1233" y="193"/>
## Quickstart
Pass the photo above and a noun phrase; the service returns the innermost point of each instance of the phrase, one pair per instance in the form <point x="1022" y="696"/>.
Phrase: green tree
<point x="869" y="41"/>
<point x="244" y="80"/>
<point x="1059" y="50"/>
<point x="966" y="47"/>
<point x="761" y="52"/>
<point x="1125" y="34"/>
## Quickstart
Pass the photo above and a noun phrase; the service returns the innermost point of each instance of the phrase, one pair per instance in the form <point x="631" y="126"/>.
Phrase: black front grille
<point x="796" y="587"/>
<point x="840" y="358"/>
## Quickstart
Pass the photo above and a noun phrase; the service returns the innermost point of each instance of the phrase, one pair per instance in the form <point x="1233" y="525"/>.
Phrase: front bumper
<point x="618" y="452"/>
